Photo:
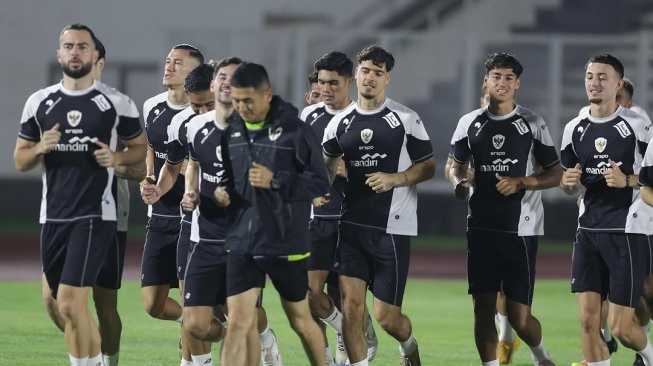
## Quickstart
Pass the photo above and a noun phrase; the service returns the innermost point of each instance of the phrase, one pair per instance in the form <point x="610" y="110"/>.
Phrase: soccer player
<point x="313" y="94"/>
<point x="71" y="128"/>
<point x="387" y="152"/>
<point x="514" y="158"/>
<point x="159" y="269"/>
<point x="105" y="290"/>
<point x="603" y="151"/>
<point x="334" y="77"/>
<point x="274" y="170"/>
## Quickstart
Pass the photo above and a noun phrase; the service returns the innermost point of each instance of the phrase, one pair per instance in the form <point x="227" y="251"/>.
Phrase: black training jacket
<point x="273" y="222"/>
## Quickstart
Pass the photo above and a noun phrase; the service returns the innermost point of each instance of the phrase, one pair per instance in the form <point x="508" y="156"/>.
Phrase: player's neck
<point x="501" y="109"/>
<point x="603" y="110"/>
<point x="341" y="104"/>
<point x="221" y="113"/>
<point x="177" y="96"/>
<point x="77" y="84"/>
<point x="371" y="104"/>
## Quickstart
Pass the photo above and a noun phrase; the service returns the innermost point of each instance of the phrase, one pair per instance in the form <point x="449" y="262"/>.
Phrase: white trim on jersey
<point x="177" y="120"/>
<point x="462" y="128"/>
<point x="195" y="226"/>
<point x="122" y="202"/>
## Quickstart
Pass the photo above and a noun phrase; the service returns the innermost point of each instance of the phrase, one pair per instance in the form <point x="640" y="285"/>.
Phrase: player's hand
<point x="461" y="188"/>
<point x="104" y="156"/>
<point x="151" y="193"/>
<point x="614" y="177"/>
<point x="571" y="177"/>
<point x="189" y="201"/>
<point x="321" y="201"/>
<point x="49" y="140"/>
<point x="508" y="185"/>
<point x="383" y="182"/>
<point x="260" y="176"/>
<point x="221" y="197"/>
<point x="342" y="170"/>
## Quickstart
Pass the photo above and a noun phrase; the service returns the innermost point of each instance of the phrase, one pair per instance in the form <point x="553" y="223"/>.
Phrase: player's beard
<point x="77" y="73"/>
<point x="595" y="100"/>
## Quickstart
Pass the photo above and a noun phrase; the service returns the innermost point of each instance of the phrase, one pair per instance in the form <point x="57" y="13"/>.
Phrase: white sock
<point x="647" y="328"/>
<point x="600" y="363"/>
<point x="605" y="330"/>
<point x="505" y="330"/>
<point x="186" y="363"/>
<point x="408" y="346"/>
<point x="327" y="351"/>
<point x="334" y="320"/>
<point x="180" y="320"/>
<point x="203" y="360"/>
<point x="77" y="361"/>
<point x="111" y="360"/>
<point x="539" y="353"/>
<point x="361" y="363"/>
<point x="266" y="337"/>
<point x="647" y="353"/>
<point x="491" y="363"/>
<point x="95" y="361"/>
<point x="224" y="323"/>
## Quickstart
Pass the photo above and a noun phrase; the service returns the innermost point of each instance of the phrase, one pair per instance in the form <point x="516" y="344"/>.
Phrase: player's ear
<point x="517" y="83"/>
<point x="388" y="76"/>
<point x="212" y="86"/>
<point x="307" y="96"/>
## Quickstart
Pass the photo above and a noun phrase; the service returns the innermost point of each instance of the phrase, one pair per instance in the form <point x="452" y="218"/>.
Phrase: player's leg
<point x="519" y="256"/>
<point x="270" y="354"/>
<point x="625" y="255"/>
<point x="105" y="298"/>
<point x="290" y="278"/>
<point x="508" y="342"/>
<point x="484" y="269"/>
<point x="158" y="269"/>
<point x="87" y="246"/>
<point x="51" y="304"/>
<point x="183" y="251"/>
<point x="241" y="345"/>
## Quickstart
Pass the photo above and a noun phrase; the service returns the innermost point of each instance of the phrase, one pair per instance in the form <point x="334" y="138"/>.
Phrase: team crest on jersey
<point x="623" y="129"/>
<point x="218" y="153"/>
<point x="521" y="126"/>
<point x="366" y="135"/>
<point x="498" y="140"/>
<point x="600" y="144"/>
<point x="274" y="133"/>
<point x="392" y="120"/>
<point x="74" y="117"/>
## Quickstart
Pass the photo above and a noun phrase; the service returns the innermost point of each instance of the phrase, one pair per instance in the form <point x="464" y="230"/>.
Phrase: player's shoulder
<point x="575" y="121"/>
<point x="115" y="95"/>
<point x="529" y="116"/>
<point x="585" y="110"/>
<point x="155" y="100"/>
<point x="470" y="117"/>
<point x="635" y="119"/>
<point x="42" y="94"/>
<point x="313" y="108"/>
<point x="344" y="116"/>
<point x="401" y="109"/>
<point x="199" y="121"/>
<point x="185" y="115"/>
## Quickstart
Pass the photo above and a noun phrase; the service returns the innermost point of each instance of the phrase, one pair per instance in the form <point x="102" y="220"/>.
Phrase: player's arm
<point x="135" y="172"/>
<point x="191" y="180"/>
<point x="28" y="154"/>
<point x="549" y="178"/>
<point x="417" y="173"/>
<point x="169" y="174"/>
<point x="332" y="163"/>
<point x="134" y="153"/>
<point x="460" y="178"/>
<point x="447" y="168"/>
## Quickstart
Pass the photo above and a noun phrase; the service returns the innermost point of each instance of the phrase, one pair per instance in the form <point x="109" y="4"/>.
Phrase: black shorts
<point x="324" y="239"/>
<point x="73" y="252"/>
<point x="495" y="257"/>
<point x="374" y="256"/>
<point x="183" y="249"/>
<point x="610" y="263"/>
<point x="649" y="258"/>
<point x="110" y="275"/>
<point x="159" y="264"/>
<point x="290" y="278"/>
<point x="206" y="274"/>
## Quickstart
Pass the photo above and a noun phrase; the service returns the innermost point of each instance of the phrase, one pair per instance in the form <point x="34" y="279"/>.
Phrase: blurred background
<point x="439" y="46"/>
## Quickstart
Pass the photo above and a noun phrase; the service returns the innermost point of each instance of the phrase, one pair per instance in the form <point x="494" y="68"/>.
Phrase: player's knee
<point x="152" y="307"/>
<point x="301" y="326"/>
<point x="195" y="328"/>
<point x="389" y="319"/>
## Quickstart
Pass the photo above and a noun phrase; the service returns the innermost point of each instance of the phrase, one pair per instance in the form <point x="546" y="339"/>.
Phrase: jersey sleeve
<point x="177" y="147"/>
<point x="543" y="149"/>
<point x="330" y="144"/>
<point x="129" y="125"/>
<point x="461" y="151"/>
<point x="646" y="172"/>
<point x="418" y="143"/>
<point x="30" y="129"/>
<point x="191" y="130"/>
<point x="568" y="157"/>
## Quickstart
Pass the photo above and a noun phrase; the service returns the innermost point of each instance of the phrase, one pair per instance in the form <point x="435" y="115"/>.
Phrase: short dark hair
<point x="226" y="62"/>
<point x="199" y="79"/>
<point x="99" y="46"/>
<point x="608" y="59"/>
<point x="630" y="88"/>
<point x="312" y="78"/>
<point x="378" y="55"/>
<point x="80" y="27"/>
<point x="250" y="75"/>
<point x="193" y="51"/>
<point x="335" y="61"/>
<point x="501" y="60"/>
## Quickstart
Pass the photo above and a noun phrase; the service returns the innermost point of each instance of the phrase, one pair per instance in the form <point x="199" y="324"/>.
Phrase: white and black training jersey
<point x="591" y="142"/>
<point x="318" y="117"/>
<point x="74" y="185"/>
<point x="517" y="144"/>
<point x="646" y="179"/>
<point x="178" y="143"/>
<point x="388" y="139"/>
<point x="158" y="113"/>
<point x="634" y="107"/>
<point x="204" y="138"/>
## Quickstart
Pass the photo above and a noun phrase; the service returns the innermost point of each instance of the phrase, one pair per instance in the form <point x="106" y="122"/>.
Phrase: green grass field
<point x="441" y="313"/>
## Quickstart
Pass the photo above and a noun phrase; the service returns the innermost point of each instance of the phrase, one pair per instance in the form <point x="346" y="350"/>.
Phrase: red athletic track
<point x="19" y="260"/>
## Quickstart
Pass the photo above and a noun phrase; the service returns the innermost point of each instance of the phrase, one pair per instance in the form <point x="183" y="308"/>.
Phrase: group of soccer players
<point x="240" y="189"/>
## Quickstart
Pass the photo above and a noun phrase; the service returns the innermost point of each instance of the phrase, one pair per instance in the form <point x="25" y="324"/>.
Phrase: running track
<point x="19" y="260"/>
